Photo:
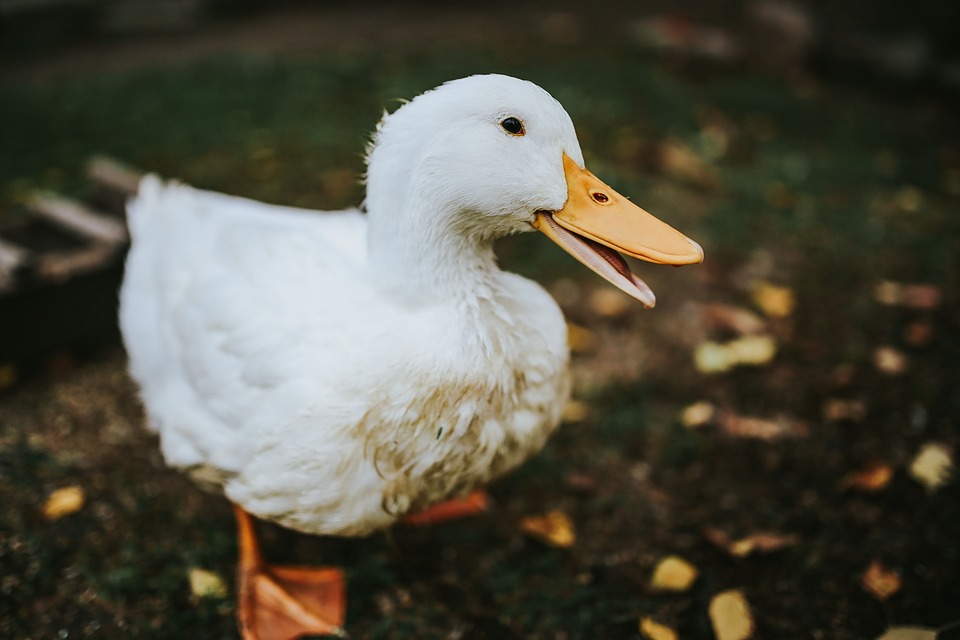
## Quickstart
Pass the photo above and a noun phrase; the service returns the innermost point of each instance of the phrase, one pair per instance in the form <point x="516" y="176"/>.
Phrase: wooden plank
<point x="79" y="219"/>
<point x="12" y="256"/>
<point x="58" y="267"/>
<point x="114" y="176"/>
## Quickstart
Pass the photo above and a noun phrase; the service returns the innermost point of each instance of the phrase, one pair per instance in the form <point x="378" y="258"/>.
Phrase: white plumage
<point x="333" y="371"/>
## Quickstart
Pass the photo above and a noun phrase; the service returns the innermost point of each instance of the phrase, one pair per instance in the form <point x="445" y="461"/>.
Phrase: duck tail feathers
<point x="153" y="195"/>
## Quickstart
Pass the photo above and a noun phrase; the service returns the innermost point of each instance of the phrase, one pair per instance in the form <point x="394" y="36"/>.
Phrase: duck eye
<point x="513" y="126"/>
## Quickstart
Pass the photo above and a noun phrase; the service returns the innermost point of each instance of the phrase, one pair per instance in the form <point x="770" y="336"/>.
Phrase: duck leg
<point x="470" y="505"/>
<point x="283" y="603"/>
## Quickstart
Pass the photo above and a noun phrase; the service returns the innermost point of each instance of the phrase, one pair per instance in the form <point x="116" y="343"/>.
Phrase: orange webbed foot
<point x="473" y="504"/>
<point x="283" y="603"/>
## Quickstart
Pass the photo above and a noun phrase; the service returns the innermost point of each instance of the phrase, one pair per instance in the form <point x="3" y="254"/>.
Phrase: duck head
<point x="486" y="156"/>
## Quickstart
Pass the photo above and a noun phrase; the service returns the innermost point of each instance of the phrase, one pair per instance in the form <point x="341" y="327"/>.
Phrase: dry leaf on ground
<point x="730" y="616"/>
<point x="762" y="428"/>
<point x="909" y="633"/>
<point x="580" y="339"/>
<point x="609" y="303"/>
<point x="836" y="410"/>
<point x="575" y="411"/>
<point x="717" y="357"/>
<point x="63" y="502"/>
<point x="712" y="357"/>
<point x="873" y="476"/>
<point x="890" y="361"/>
<point x="879" y="581"/>
<point x="932" y="465"/>
<point x="673" y="573"/>
<point x="206" y="584"/>
<point x="753" y="350"/>
<point x="697" y="414"/>
<point x="759" y="542"/>
<point x="726" y="317"/>
<point x="773" y="300"/>
<point x="762" y="542"/>
<point x="915" y="296"/>
<point x="554" y="529"/>
<point x="652" y="630"/>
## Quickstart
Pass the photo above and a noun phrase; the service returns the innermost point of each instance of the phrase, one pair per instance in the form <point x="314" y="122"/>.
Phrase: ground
<point x="786" y="386"/>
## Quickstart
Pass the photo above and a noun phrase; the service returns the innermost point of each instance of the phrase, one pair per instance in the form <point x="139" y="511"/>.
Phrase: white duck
<point x="334" y="372"/>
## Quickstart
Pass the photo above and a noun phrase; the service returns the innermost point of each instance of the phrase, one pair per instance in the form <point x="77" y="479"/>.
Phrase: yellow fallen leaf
<point x="730" y="616"/>
<point x="554" y="529"/>
<point x="206" y="584"/>
<point x="673" y="573"/>
<point x="741" y="548"/>
<point x="579" y="339"/>
<point x="609" y="303"/>
<point x="712" y="357"/>
<point x="909" y="633"/>
<point x="762" y="542"/>
<point x="890" y="361"/>
<point x="575" y="411"/>
<point x="873" y="476"/>
<point x="887" y="292"/>
<point x="879" y="581"/>
<point x="697" y="414"/>
<point x="932" y="466"/>
<point x="652" y="630"/>
<point x="753" y="350"/>
<point x="63" y="502"/>
<point x="773" y="300"/>
<point x="716" y="357"/>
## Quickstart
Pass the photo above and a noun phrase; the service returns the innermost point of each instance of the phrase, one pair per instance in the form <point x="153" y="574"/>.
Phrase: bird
<point x="339" y="372"/>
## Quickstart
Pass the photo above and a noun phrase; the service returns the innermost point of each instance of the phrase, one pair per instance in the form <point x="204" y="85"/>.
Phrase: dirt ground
<point x="784" y="421"/>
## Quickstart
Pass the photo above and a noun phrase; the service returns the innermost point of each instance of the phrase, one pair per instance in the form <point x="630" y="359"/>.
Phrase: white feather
<point x="334" y="370"/>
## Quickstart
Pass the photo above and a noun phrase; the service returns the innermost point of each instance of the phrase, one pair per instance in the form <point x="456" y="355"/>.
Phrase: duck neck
<point x="416" y="260"/>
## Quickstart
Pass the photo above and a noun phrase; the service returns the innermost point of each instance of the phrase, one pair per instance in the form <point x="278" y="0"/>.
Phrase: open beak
<point x="597" y="224"/>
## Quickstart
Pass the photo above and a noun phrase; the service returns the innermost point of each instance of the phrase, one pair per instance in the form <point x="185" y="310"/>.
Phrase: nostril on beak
<point x="599" y="197"/>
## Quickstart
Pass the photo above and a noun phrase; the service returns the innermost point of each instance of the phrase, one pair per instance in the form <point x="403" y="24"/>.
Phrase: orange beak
<point x="596" y="224"/>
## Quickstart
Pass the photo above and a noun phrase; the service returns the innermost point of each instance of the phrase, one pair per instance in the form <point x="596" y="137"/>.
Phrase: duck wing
<point x="227" y="302"/>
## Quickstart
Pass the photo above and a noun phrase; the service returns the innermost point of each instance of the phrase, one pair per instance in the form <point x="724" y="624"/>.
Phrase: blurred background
<point x="785" y="421"/>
